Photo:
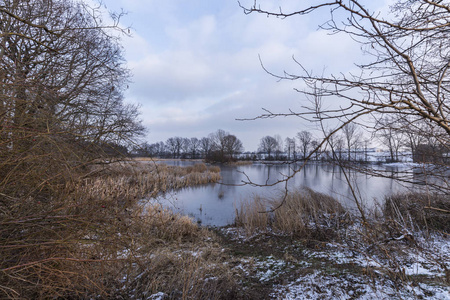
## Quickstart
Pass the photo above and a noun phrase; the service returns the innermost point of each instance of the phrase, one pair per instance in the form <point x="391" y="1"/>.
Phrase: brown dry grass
<point x="94" y="239"/>
<point x="251" y="215"/>
<point x="168" y="253"/>
<point x="130" y="179"/>
<point x="303" y="213"/>
<point x="306" y="211"/>
<point x="176" y="257"/>
<point x="419" y="211"/>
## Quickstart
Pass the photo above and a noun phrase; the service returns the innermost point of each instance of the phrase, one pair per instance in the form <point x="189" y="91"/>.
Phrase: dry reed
<point x="418" y="211"/>
<point x="94" y="239"/>
<point x="170" y="254"/>
<point x="131" y="180"/>
<point x="302" y="213"/>
<point x="251" y="215"/>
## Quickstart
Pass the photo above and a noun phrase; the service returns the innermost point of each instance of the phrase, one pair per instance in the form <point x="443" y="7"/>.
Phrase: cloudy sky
<point x="196" y="66"/>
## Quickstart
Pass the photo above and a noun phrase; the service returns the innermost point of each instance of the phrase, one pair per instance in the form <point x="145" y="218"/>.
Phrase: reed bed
<point x="95" y="240"/>
<point x="300" y="213"/>
<point x="176" y="258"/>
<point x="134" y="180"/>
<point x="172" y="275"/>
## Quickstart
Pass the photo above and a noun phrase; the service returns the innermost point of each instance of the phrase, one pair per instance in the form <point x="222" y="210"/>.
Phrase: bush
<point x="424" y="210"/>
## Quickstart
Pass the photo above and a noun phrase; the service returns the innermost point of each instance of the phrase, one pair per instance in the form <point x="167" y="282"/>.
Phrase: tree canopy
<point x="62" y="78"/>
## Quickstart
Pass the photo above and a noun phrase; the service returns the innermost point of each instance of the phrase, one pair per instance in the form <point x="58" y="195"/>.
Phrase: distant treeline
<point x="220" y="146"/>
<point x="350" y="145"/>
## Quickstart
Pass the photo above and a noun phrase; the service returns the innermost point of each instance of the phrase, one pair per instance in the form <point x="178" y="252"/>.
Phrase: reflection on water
<point x="215" y="204"/>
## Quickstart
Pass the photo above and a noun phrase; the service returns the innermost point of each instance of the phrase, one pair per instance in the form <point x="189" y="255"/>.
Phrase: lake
<point x="215" y="204"/>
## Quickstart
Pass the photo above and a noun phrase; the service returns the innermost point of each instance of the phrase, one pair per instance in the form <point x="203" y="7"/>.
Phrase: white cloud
<point x="195" y="36"/>
<point x="196" y="66"/>
<point x="170" y="76"/>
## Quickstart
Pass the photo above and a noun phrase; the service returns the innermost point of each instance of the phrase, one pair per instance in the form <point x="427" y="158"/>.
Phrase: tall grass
<point x="391" y="240"/>
<point x="301" y="213"/>
<point x="94" y="239"/>
<point x="130" y="180"/>
<point x="168" y="253"/>
<point x="252" y="216"/>
<point x="419" y="211"/>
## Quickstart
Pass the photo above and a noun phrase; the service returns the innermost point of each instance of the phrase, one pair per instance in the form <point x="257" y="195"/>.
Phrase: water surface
<point x="215" y="204"/>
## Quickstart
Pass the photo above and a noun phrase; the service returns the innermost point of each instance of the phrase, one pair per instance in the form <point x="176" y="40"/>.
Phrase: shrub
<point x="424" y="210"/>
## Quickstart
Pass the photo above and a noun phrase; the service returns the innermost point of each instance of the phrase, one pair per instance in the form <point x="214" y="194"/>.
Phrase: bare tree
<point x="185" y="147"/>
<point x="162" y="149"/>
<point x="178" y="145"/>
<point x="352" y="138"/>
<point x="405" y="76"/>
<point x="61" y="84"/>
<point x="206" y="145"/>
<point x="225" y="146"/>
<point x="219" y="141"/>
<point x="290" y="148"/>
<point x="315" y="144"/>
<point x="268" y="144"/>
<point x="304" y="138"/>
<point x="410" y="62"/>
<point x="366" y="143"/>
<point x="233" y="146"/>
<point x="340" y="147"/>
<point x="195" y="146"/>
<point x="62" y="78"/>
<point x="391" y="136"/>
<point x="172" y="146"/>
<point x="145" y="150"/>
<point x="279" y="148"/>
<point x="414" y="132"/>
<point x="335" y="146"/>
<point x="408" y="76"/>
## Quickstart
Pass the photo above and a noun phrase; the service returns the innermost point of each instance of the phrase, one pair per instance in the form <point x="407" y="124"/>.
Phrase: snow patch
<point x="158" y="296"/>
<point x="322" y="286"/>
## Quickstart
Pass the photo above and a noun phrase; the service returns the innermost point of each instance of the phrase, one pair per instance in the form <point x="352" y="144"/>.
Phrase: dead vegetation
<point x="301" y="213"/>
<point x="95" y="239"/>
<point x="405" y="231"/>
<point x="130" y="179"/>
<point x="419" y="211"/>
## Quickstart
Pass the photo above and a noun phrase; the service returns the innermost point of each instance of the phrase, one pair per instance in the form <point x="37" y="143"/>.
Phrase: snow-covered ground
<point x="320" y="285"/>
<point x="348" y="286"/>
<point x="338" y="272"/>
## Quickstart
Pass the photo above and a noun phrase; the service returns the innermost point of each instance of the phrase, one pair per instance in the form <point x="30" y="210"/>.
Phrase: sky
<point x="196" y="66"/>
